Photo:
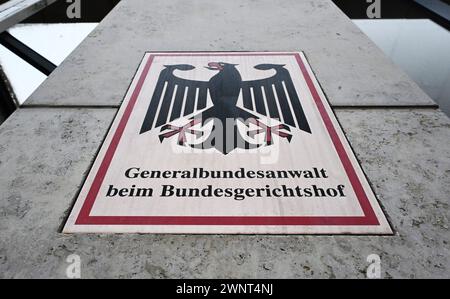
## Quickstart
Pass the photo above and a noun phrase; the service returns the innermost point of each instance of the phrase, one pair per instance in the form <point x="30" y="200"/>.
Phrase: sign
<point x="232" y="143"/>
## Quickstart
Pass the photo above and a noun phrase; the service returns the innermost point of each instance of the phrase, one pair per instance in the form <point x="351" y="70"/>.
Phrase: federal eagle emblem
<point x="272" y="98"/>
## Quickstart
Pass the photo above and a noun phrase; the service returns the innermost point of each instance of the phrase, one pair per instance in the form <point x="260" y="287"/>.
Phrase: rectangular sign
<point x="232" y="143"/>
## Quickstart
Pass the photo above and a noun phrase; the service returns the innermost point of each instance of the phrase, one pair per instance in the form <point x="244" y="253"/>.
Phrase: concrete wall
<point x="401" y="139"/>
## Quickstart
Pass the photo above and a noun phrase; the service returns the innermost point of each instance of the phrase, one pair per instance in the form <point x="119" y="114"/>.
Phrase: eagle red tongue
<point x="215" y="65"/>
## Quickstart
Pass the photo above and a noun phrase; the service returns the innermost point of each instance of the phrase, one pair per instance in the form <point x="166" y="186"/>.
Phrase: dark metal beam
<point x="26" y="53"/>
<point x="15" y="11"/>
<point x="437" y="6"/>
<point x="8" y="101"/>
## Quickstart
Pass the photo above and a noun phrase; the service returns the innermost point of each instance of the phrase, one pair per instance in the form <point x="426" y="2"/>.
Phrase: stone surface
<point x="351" y="69"/>
<point x="45" y="154"/>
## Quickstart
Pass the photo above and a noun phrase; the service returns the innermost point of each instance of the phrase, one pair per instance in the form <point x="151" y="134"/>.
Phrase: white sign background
<point x="356" y="213"/>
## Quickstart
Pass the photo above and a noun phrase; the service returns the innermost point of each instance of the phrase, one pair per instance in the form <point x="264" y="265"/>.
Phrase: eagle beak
<point x="214" y="66"/>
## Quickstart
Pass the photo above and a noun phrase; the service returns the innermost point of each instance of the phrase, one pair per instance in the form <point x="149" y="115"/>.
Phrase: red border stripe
<point x="96" y="184"/>
<point x="351" y="173"/>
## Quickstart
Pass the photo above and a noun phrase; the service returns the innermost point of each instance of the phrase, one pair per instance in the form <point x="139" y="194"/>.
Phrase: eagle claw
<point x="269" y="131"/>
<point x="180" y="131"/>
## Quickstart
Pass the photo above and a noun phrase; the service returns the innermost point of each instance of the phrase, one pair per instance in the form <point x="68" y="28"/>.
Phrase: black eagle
<point x="177" y="97"/>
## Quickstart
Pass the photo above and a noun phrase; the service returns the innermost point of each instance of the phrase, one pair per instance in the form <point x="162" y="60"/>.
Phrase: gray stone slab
<point x="45" y="153"/>
<point x="351" y="69"/>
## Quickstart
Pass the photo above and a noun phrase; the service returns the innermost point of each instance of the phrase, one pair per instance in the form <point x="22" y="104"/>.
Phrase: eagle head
<point x="218" y="66"/>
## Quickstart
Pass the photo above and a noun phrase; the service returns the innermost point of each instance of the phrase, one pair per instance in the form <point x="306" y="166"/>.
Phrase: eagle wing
<point x="280" y="86"/>
<point x="171" y="91"/>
